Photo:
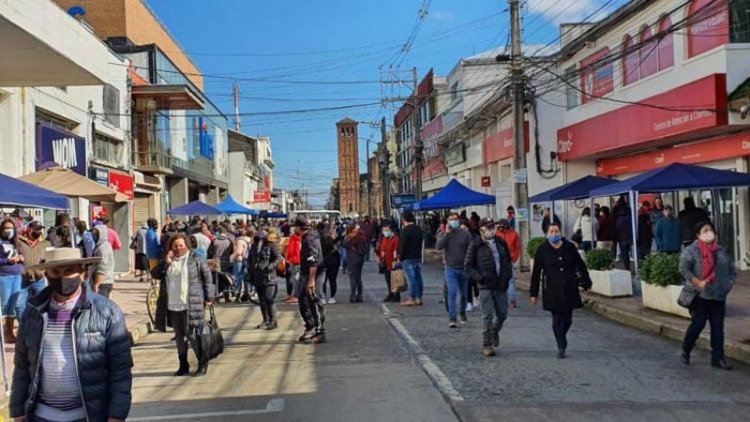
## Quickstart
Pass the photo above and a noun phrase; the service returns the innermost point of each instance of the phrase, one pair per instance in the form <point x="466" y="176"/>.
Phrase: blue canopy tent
<point x="674" y="177"/>
<point x="454" y="195"/>
<point x="230" y="206"/>
<point x="195" y="208"/>
<point x="17" y="193"/>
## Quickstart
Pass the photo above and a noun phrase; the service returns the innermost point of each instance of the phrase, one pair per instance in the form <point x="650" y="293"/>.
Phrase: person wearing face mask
<point x="33" y="248"/>
<point x="559" y="270"/>
<point x="488" y="263"/>
<point x="506" y="232"/>
<point x="710" y="274"/>
<point x="263" y="259"/>
<point x="454" y="242"/>
<point x="74" y="362"/>
<point x="103" y="271"/>
<point x="11" y="268"/>
<point x="387" y="258"/>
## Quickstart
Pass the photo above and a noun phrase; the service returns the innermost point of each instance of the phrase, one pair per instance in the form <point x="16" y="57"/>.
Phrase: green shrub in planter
<point x="661" y="270"/>
<point x="533" y="245"/>
<point x="600" y="260"/>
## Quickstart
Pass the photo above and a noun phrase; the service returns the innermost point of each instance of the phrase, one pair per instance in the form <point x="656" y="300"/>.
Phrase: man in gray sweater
<point x="454" y="242"/>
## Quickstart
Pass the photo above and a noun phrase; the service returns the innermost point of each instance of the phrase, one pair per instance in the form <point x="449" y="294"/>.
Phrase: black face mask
<point x="36" y="235"/>
<point x="96" y="238"/>
<point x="64" y="286"/>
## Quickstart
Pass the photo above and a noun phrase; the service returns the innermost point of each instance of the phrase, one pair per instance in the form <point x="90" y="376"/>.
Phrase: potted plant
<point x="661" y="283"/>
<point x="532" y="246"/>
<point x="605" y="279"/>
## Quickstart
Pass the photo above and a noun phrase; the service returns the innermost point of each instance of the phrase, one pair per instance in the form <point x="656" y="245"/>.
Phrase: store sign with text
<point x="696" y="153"/>
<point x="501" y="145"/>
<point x="597" y="79"/>
<point x="708" y="26"/>
<point x="123" y="183"/>
<point x="691" y="107"/>
<point x="455" y="155"/>
<point x="262" y="196"/>
<point x="58" y="148"/>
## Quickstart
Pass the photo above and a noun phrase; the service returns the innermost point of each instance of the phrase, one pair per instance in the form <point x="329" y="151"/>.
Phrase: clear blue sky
<point x="324" y="41"/>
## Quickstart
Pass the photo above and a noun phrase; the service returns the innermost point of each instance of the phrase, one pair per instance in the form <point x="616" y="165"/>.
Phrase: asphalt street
<point x="390" y="363"/>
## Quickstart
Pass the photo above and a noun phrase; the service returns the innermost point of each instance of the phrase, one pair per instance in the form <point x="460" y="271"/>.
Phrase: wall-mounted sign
<point x="58" y="148"/>
<point x="402" y="200"/>
<point x="123" y="183"/>
<point x="597" y="79"/>
<point x="100" y="175"/>
<point x="262" y="196"/>
<point x="455" y="155"/>
<point x="486" y="181"/>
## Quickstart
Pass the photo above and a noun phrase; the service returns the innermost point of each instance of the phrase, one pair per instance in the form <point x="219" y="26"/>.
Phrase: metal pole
<point x="386" y="170"/>
<point x="593" y="222"/>
<point x="521" y="191"/>
<point x="367" y="181"/>
<point x="634" y="224"/>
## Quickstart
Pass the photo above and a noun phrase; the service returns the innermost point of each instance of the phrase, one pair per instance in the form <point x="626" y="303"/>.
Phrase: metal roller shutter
<point x="142" y="210"/>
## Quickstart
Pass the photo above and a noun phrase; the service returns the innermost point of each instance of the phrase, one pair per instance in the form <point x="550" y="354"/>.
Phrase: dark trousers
<point x="355" y="276"/>
<point x="494" y="305"/>
<point x="266" y="297"/>
<point x="561" y="322"/>
<point x="310" y="307"/>
<point x="396" y="296"/>
<point x="332" y="273"/>
<point x="289" y="281"/>
<point x="625" y="247"/>
<point x="713" y="311"/>
<point x="587" y="245"/>
<point x="473" y="291"/>
<point x="179" y="322"/>
<point x="106" y="290"/>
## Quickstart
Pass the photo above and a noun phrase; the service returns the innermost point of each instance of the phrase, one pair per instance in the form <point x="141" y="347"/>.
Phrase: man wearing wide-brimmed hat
<point x="73" y="359"/>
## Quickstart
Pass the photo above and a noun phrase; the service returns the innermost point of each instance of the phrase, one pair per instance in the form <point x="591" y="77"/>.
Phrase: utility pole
<point x="520" y="186"/>
<point x="417" y="139"/>
<point x="385" y="172"/>
<point x="237" y="106"/>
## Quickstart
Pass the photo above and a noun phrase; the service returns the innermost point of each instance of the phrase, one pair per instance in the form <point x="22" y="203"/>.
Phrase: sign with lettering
<point x="100" y="175"/>
<point x="58" y="148"/>
<point x="486" y="181"/>
<point x="597" y="75"/>
<point x="123" y="183"/>
<point x="262" y="196"/>
<point x="708" y="26"/>
<point x="401" y="200"/>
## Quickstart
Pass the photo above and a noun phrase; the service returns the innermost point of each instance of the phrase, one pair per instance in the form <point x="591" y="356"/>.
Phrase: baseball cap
<point x="302" y="223"/>
<point x="668" y="207"/>
<point x="35" y="225"/>
<point x="502" y="222"/>
<point x="488" y="222"/>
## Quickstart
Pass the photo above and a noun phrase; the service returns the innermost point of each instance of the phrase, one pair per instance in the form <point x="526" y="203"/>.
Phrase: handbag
<point x="687" y="296"/>
<point x="577" y="237"/>
<point x="398" y="281"/>
<point x="281" y="268"/>
<point x="207" y="341"/>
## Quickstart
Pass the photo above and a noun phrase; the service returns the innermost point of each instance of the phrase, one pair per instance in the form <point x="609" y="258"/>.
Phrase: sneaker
<point x="409" y="302"/>
<point x="462" y="318"/>
<point x="331" y="301"/>
<point x="419" y="302"/>
<point x="323" y="301"/>
<point x="319" y="339"/>
<point x="469" y="307"/>
<point x="722" y="364"/>
<point x="488" y="351"/>
<point x="306" y="336"/>
<point x="452" y="324"/>
<point x="561" y="353"/>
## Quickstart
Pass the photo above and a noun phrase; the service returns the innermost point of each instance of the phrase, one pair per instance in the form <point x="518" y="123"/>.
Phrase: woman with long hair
<point x="11" y="268"/>
<point x="356" y="250"/>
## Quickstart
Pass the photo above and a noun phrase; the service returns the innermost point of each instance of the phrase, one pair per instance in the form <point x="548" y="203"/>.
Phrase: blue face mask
<point x="262" y="234"/>
<point x="454" y="224"/>
<point x="554" y="238"/>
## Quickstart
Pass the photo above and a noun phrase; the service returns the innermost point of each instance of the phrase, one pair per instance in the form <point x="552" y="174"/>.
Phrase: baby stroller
<point x="224" y="283"/>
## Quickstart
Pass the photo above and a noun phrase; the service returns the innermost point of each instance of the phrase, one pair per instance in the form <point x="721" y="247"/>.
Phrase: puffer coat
<point x="200" y="289"/>
<point x="559" y="273"/>
<point x="103" y="358"/>
<point x="262" y="263"/>
<point x="480" y="264"/>
<point x="691" y="266"/>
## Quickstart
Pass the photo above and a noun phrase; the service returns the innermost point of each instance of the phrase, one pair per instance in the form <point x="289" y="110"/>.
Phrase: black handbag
<point x="687" y="296"/>
<point x="207" y="341"/>
<point x="577" y="237"/>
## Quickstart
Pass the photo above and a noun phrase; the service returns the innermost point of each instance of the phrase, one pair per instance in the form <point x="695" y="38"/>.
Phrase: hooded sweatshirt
<point x="106" y="266"/>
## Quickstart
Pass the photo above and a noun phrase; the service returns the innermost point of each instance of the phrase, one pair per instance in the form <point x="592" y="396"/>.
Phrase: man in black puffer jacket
<point x="488" y="264"/>
<point x="67" y="322"/>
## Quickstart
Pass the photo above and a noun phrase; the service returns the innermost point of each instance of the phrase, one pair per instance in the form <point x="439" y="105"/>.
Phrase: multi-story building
<point x="243" y="154"/>
<point x="375" y="187"/>
<point x="650" y="85"/>
<point x="349" y="180"/>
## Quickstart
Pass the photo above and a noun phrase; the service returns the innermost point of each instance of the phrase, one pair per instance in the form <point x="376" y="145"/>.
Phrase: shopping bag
<point x="207" y="341"/>
<point x="398" y="281"/>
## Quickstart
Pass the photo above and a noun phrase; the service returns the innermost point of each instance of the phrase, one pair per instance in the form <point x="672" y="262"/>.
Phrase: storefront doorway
<point x="726" y="221"/>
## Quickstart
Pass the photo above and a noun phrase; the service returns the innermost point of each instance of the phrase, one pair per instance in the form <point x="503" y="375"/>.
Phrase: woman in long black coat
<point x="560" y="270"/>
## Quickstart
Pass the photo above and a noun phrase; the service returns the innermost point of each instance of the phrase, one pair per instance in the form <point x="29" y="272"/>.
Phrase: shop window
<point x="666" y="43"/>
<point x="649" y="62"/>
<point x="630" y="61"/>
<point x="572" y="95"/>
<point x="108" y="150"/>
<point x="111" y="103"/>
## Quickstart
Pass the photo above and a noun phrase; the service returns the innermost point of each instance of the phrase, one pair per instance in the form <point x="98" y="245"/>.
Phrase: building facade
<point x="349" y="179"/>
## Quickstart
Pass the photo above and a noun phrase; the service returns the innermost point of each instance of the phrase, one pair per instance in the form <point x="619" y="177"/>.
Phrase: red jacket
<point x="388" y="251"/>
<point x="514" y="243"/>
<point x="293" y="249"/>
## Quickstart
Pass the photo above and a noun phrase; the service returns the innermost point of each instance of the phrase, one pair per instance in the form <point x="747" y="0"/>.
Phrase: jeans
<point x="294" y="269"/>
<point x="413" y="270"/>
<point x="494" y="306"/>
<point x="512" y="294"/>
<point x="9" y="285"/>
<point x="19" y="300"/>
<point x="355" y="277"/>
<point x="561" y="322"/>
<point x="344" y="258"/>
<point x="266" y="297"/>
<point x="238" y="271"/>
<point x="310" y="307"/>
<point x="289" y="281"/>
<point x="713" y="311"/>
<point x="625" y="247"/>
<point x="458" y="282"/>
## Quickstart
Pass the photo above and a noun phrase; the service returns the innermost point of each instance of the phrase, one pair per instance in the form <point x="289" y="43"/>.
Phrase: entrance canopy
<point x="454" y="195"/>
<point x="675" y="177"/>
<point x="18" y="193"/>
<point x="72" y="184"/>
<point x="577" y="189"/>
<point x="230" y="206"/>
<point x="195" y="208"/>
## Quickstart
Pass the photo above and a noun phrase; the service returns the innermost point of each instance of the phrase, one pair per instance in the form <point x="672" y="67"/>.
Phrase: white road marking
<point x="428" y="366"/>
<point x="273" y="406"/>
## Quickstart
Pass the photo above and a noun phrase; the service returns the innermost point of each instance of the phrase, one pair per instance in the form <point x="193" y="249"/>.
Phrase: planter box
<point x="663" y="299"/>
<point x="612" y="283"/>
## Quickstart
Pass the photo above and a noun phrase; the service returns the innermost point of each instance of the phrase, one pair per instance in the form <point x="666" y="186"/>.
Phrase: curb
<point x="732" y="349"/>
<point x="138" y="332"/>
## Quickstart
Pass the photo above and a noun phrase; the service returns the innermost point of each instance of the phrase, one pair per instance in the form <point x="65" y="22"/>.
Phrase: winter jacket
<point x="103" y="357"/>
<point x="513" y="241"/>
<point x="583" y="223"/>
<point x="559" y="273"/>
<point x="691" y="266"/>
<point x="410" y="247"/>
<point x="623" y="224"/>
<point x="86" y="243"/>
<point x="153" y="246"/>
<point x="221" y="248"/>
<point x="645" y="236"/>
<point x="200" y="289"/>
<point x="293" y="249"/>
<point x="454" y="244"/>
<point x="262" y="262"/>
<point x="667" y="235"/>
<point x="32" y="254"/>
<point x="311" y="252"/>
<point x="606" y="230"/>
<point x="356" y="249"/>
<point x="106" y="266"/>
<point x="655" y="216"/>
<point x="689" y="218"/>
<point x="330" y="247"/>
<point x="140" y="241"/>
<point x="388" y="251"/>
<point x="481" y="268"/>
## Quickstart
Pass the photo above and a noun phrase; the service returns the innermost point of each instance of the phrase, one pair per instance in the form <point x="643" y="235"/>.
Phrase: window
<point x="739" y="12"/>
<point x="111" y="105"/>
<point x="573" y="97"/>
<point x="108" y="149"/>
<point x="649" y="62"/>
<point x="666" y="44"/>
<point x="630" y="61"/>
<point x="454" y="92"/>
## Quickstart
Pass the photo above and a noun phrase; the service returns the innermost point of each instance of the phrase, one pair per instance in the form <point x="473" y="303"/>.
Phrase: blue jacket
<point x="153" y="247"/>
<point x="8" y="248"/>
<point x="103" y="359"/>
<point x="668" y="236"/>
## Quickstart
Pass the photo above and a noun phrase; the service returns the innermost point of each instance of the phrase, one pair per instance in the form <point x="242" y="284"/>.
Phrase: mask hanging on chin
<point x="64" y="286"/>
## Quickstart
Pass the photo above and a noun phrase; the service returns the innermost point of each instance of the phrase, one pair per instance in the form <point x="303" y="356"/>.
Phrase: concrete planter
<point x="663" y="299"/>
<point x="612" y="283"/>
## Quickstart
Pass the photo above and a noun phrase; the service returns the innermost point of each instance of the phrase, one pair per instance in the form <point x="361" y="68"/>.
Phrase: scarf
<point x="708" y="259"/>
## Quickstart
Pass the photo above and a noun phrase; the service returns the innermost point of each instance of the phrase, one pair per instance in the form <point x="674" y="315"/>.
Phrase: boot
<point x="272" y="326"/>
<point x="184" y="367"/>
<point x="9" y="325"/>
<point x="202" y="369"/>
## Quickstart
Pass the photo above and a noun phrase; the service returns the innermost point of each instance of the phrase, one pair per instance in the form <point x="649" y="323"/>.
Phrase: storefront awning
<point x="73" y="185"/>
<point x="168" y="97"/>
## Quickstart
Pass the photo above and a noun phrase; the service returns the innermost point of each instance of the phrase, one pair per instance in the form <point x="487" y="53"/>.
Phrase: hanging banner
<point x="58" y="148"/>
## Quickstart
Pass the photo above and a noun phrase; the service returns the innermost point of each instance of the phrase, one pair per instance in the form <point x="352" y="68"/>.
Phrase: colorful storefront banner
<point x="58" y="148"/>
<point x="597" y="79"/>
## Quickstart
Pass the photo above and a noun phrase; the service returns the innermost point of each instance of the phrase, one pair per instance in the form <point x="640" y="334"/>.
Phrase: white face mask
<point x="708" y="237"/>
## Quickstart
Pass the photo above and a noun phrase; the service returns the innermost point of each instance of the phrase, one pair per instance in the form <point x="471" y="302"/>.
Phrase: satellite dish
<point x="77" y="11"/>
